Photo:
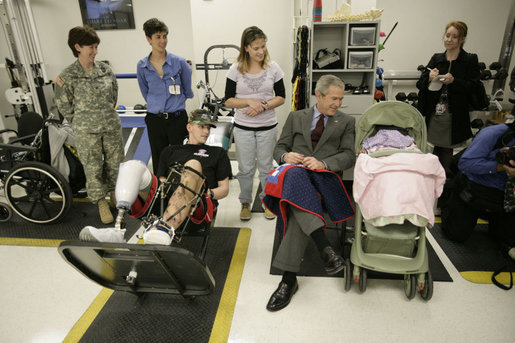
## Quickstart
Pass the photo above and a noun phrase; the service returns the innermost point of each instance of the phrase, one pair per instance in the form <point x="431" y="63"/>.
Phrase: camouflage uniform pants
<point x="101" y="155"/>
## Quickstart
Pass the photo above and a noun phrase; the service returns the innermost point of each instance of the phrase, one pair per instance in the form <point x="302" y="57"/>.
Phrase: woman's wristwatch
<point x="264" y="102"/>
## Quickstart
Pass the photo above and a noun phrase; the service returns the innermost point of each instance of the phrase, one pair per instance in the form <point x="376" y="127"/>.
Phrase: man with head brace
<point x="192" y="177"/>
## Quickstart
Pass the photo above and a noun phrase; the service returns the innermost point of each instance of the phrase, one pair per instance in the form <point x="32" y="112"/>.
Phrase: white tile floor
<point x="41" y="298"/>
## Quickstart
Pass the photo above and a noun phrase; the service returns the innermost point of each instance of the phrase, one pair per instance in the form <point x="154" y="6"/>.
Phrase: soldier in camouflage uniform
<point x="86" y="93"/>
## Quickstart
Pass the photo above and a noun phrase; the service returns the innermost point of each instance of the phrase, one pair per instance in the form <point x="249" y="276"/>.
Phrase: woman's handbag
<point x="439" y="131"/>
<point x="328" y="60"/>
<point x="478" y="99"/>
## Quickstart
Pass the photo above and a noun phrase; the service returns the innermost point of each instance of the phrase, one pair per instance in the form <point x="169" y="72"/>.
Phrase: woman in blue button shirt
<point x="165" y="82"/>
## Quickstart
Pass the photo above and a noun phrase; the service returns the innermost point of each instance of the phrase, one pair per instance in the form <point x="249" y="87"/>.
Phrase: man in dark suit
<point x="318" y="138"/>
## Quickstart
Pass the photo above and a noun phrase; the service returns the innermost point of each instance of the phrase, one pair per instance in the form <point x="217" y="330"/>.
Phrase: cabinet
<point x="357" y="42"/>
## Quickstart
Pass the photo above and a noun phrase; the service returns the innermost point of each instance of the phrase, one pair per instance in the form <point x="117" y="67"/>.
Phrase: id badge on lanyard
<point x="174" y="89"/>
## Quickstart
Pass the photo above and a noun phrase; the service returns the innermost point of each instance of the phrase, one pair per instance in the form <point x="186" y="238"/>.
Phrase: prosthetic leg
<point x="133" y="178"/>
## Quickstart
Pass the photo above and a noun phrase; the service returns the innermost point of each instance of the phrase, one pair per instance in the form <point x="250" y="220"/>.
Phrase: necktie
<point x="317" y="131"/>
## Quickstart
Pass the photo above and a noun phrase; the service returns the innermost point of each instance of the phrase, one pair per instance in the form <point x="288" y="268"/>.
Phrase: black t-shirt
<point x="214" y="160"/>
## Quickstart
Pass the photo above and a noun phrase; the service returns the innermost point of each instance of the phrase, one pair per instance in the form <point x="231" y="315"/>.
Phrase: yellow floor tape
<point x="89" y="316"/>
<point x="486" y="277"/>
<point x="223" y="319"/>
<point x="30" y="242"/>
<point x="438" y="219"/>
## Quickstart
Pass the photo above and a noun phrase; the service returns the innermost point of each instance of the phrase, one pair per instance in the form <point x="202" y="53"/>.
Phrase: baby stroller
<point x="33" y="189"/>
<point x="396" y="246"/>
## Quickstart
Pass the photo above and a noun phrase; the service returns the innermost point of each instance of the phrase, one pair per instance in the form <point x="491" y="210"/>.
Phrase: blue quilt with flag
<point x="314" y="191"/>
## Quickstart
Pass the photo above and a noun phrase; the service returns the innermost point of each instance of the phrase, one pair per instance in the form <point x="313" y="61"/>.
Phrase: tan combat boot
<point x="105" y="212"/>
<point x="245" y="212"/>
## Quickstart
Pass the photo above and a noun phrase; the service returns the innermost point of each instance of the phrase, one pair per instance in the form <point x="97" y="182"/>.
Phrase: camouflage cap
<point x="201" y="117"/>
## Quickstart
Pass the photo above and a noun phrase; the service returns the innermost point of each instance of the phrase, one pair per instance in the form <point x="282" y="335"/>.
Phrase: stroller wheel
<point x="6" y="212"/>
<point x="427" y="292"/>
<point x="348" y="276"/>
<point x="410" y="285"/>
<point x="363" y="280"/>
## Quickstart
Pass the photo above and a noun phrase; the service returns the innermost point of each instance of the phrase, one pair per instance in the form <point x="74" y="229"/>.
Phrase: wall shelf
<point x="339" y="35"/>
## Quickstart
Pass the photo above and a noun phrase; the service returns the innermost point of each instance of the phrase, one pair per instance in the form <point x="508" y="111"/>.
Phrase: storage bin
<point x="360" y="59"/>
<point x="362" y="36"/>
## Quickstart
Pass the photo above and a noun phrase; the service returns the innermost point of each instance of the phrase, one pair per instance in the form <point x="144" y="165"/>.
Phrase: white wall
<point x="197" y="24"/>
<point x="122" y="48"/>
<point x="421" y="27"/>
<point x="223" y="21"/>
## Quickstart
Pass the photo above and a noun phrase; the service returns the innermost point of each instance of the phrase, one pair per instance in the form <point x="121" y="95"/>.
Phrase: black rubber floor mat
<point x="478" y="253"/>
<point x="153" y="317"/>
<point x="82" y="213"/>
<point x="312" y="263"/>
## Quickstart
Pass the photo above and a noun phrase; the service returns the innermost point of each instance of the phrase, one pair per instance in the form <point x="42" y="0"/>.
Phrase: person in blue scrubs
<point x="165" y="82"/>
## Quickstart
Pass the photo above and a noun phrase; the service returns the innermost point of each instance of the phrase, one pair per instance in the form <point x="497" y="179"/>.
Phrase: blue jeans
<point x="249" y="146"/>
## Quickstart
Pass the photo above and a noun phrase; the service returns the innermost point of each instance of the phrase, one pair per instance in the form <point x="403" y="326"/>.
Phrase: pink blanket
<point x="399" y="184"/>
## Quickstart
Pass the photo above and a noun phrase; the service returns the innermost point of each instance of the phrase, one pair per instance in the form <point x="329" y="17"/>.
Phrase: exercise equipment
<point x="155" y="266"/>
<point x="300" y="98"/>
<point x="413" y="97"/>
<point x="209" y="100"/>
<point x="401" y="96"/>
<point x="139" y="268"/>
<point x="120" y="109"/>
<point x="31" y="90"/>
<point x="139" y="108"/>
<point x="221" y="135"/>
<point x="381" y="45"/>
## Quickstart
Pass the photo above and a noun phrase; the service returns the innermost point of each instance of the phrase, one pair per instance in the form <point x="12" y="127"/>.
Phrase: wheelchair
<point x="33" y="189"/>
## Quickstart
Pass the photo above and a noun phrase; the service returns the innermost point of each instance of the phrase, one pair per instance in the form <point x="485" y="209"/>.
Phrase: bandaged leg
<point x="183" y="200"/>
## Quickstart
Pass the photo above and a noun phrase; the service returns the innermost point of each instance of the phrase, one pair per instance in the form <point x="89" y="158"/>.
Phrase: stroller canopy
<point x="391" y="113"/>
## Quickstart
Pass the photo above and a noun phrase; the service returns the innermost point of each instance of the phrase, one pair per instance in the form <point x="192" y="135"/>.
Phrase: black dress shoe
<point x="282" y="296"/>
<point x="333" y="263"/>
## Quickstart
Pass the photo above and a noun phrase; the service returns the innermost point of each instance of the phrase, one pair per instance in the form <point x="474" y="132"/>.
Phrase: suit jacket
<point x="335" y="147"/>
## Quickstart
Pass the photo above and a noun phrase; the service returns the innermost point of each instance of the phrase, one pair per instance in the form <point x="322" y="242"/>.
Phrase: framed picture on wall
<point x="107" y="14"/>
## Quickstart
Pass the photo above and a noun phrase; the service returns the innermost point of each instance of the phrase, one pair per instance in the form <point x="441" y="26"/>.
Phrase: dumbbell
<point x="412" y="96"/>
<point x="139" y="108"/>
<point x="485" y="74"/>
<point x="421" y="68"/>
<point x="378" y="94"/>
<point x="477" y="123"/>
<point x="121" y="109"/>
<point x="401" y="96"/>
<point x="501" y="74"/>
<point x="481" y="65"/>
<point x="494" y="66"/>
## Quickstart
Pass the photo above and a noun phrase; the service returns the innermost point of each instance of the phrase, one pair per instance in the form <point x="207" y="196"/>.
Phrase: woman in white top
<point x="254" y="87"/>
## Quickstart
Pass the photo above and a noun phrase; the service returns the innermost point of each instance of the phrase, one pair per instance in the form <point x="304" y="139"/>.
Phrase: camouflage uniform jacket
<point x="87" y="98"/>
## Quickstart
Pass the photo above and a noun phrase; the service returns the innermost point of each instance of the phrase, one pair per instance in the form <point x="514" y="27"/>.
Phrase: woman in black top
<point x="457" y="70"/>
